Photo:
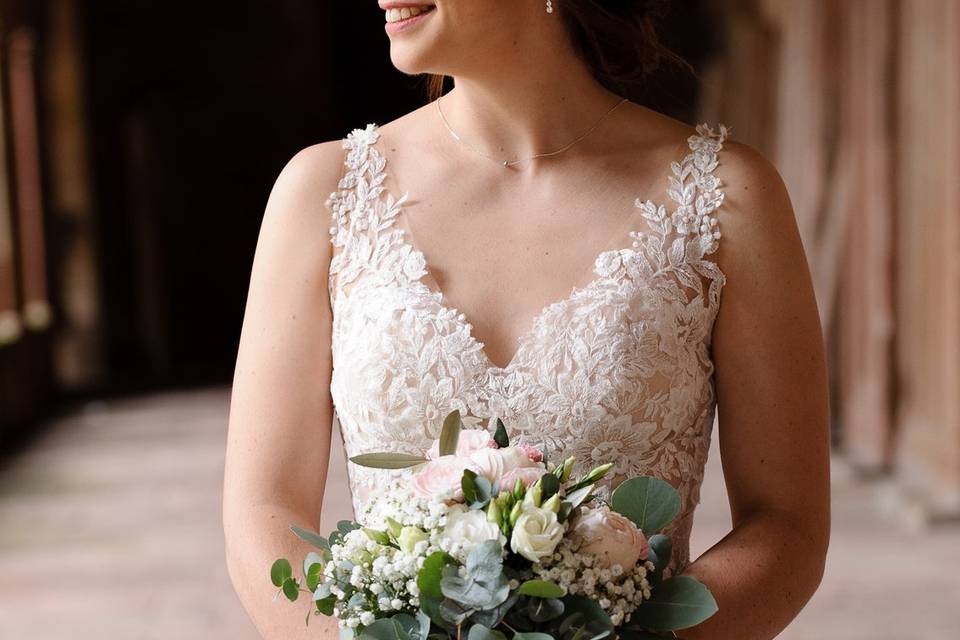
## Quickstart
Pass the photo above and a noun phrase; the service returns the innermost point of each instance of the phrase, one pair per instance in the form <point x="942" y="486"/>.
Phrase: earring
<point x="549" y="6"/>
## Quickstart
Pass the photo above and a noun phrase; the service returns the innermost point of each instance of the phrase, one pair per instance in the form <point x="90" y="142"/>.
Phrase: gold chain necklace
<point x="507" y="163"/>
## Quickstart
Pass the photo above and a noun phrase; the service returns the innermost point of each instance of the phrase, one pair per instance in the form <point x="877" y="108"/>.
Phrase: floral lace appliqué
<point x="619" y="371"/>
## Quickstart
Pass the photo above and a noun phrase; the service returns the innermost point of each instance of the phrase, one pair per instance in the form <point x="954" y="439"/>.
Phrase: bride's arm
<point x="280" y="410"/>
<point x="773" y="407"/>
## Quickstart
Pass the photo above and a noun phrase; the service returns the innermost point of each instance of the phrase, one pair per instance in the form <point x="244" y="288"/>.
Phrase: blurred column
<point x="928" y="290"/>
<point x="26" y="151"/>
<point x="78" y="348"/>
<point x="10" y="325"/>
<point x="863" y="264"/>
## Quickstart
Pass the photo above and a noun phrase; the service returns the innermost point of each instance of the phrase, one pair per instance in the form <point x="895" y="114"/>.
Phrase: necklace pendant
<point x="506" y="163"/>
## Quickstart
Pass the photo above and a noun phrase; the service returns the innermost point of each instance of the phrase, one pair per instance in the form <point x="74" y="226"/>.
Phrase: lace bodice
<point x="620" y="370"/>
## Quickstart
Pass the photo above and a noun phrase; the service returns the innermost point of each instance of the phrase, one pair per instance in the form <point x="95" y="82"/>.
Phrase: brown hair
<point x="616" y="38"/>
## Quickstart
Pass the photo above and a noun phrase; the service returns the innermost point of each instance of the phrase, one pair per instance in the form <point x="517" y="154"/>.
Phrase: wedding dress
<point x="619" y="371"/>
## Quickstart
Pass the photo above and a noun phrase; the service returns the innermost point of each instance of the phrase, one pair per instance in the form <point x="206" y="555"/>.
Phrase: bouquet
<point x="488" y="541"/>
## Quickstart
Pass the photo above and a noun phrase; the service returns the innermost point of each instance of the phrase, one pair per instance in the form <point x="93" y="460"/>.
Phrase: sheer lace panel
<point x="620" y="370"/>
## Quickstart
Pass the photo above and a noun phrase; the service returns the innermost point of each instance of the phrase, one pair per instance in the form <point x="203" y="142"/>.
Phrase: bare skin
<point x="503" y="243"/>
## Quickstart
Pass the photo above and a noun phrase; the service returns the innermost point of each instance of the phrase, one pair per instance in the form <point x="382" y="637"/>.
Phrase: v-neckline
<point x="440" y="297"/>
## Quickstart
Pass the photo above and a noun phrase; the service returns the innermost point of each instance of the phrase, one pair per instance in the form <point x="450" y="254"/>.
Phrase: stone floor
<point x="110" y="529"/>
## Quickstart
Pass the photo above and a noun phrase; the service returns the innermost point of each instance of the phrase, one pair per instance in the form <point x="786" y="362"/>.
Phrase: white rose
<point x="609" y="536"/>
<point x="536" y="534"/>
<point x="468" y="527"/>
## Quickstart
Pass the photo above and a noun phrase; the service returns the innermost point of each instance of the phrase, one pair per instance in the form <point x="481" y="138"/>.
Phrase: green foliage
<point x="380" y="537"/>
<point x="311" y="537"/>
<point x="544" y="609"/>
<point x="550" y="485"/>
<point x="651" y="503"/>
<point x="280" y="571"/>
<point x="661" y="548"/>
<point x="450" y="434"/>
<point x="480" y="632"/>
<point x="402" y="626"/>
<point x="477" y="490"/>
<point x="387" y="460"/>
<point x="593" y="477"/>
<point x="500" y="435"/>
<point x="312" y="570"/>
<point x="291" y="589"/>
<point x="540" y="589"/>
<point x="677" y="603"/>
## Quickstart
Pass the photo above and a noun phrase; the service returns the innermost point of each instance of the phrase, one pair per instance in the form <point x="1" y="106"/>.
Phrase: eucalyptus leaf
<point x="309" y="536"/>
<point x="480" y="632"/>
<point x="661" y="549"/>
<point x="500" y="435"/>
<point x="291" y="589"/>
<point x="387" y="460"/>
<point x="312" y="575"/>
<point x="450" y="434"/>
<point x="544" y="609"/>
<point x="346" y="526"/>
<point x="589" y="619"/>
<point x="321" y="591"/>
<point x="384" y="629"/>
<point x="468" y="483"/>
<point x="494" y="616"/>
<point x="532" y="635"/>
<point x="423" y="622"/>
<point x="651" y="503"/>
<point x="280" y="571"/>
<point x="540" y="589"/>
<point x="430" y="574"/>
<point x="677" y="603"/>
<point x="311" y="559"/>
<point x="482" y="493"/>
<point x="453" y="612"/>
<point x="485" y="562"/>
<point x="325" y="605"/>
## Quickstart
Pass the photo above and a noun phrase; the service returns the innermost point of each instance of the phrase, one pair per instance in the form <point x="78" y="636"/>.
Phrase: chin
<point x="414" y="41"/>
<point x="412" y="62"/>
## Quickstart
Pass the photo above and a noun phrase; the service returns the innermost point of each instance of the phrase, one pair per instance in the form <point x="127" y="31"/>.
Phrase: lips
<point x="402" y="15"/>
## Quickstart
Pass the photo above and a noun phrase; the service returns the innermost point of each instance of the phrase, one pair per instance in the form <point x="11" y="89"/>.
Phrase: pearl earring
<point x="549" y="6"/>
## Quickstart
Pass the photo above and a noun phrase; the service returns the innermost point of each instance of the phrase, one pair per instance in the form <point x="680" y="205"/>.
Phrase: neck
<point x="537" y="104"/>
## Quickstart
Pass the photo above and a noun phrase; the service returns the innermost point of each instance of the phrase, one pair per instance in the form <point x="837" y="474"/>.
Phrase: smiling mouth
<point x="400" y="14"/>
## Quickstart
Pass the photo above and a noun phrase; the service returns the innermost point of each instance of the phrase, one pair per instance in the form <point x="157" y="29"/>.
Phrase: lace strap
<point x="696" y="190"/>
<point x="360" y="184"/>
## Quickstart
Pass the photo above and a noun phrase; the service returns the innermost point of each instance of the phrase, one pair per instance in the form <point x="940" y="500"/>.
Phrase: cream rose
<point x="610" y="536"/>
<point x="536" y="533"/>
<point x="466" y="528"/>
<point x="470" y="440"/>
<point x="441" y="478"/>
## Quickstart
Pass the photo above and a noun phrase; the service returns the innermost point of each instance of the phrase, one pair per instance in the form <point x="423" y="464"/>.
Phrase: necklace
<point x="507" y="163"/>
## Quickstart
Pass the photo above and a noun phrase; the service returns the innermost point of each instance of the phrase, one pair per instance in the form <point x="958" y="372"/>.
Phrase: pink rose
<point x="609" y="536"/>
<point x="532" y="452"/>
<point x="470" y="440"/>
<point x="441" y="478"/>
<point x="528" y="475"/>
<point x="493" y="464"/>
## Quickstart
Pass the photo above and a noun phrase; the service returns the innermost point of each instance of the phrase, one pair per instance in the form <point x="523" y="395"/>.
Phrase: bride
<point x="534" y="246"/>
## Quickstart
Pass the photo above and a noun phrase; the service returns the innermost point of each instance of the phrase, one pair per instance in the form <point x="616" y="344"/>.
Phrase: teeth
<point x="395" y="15"/>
